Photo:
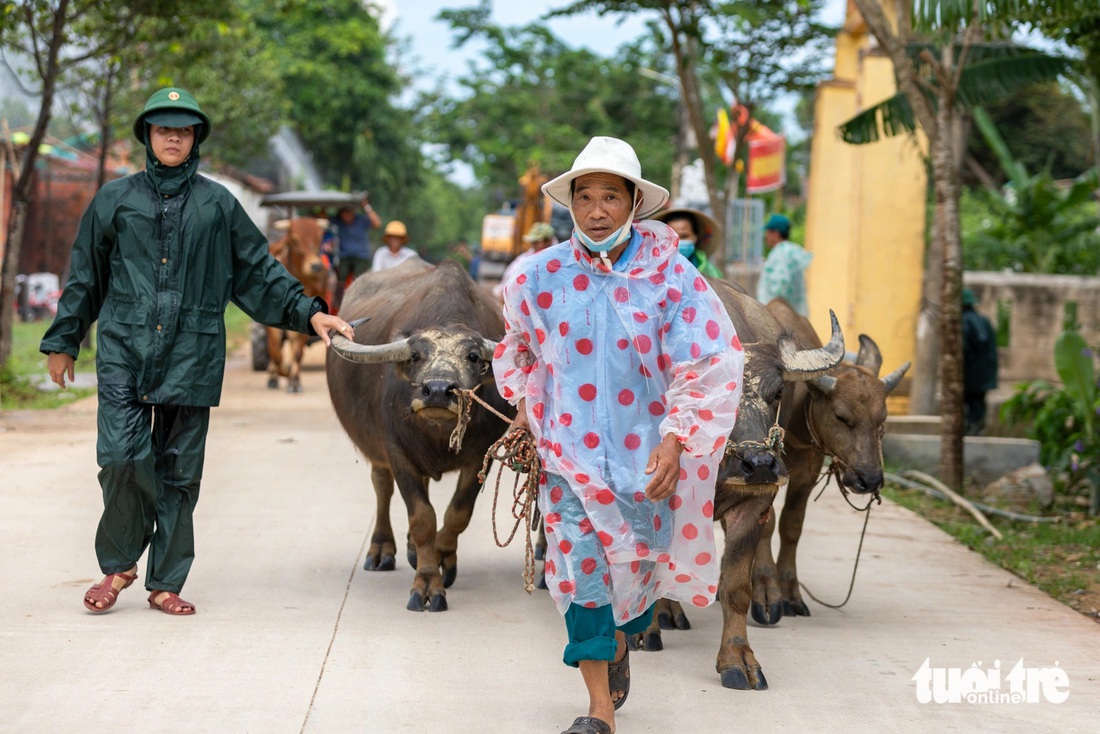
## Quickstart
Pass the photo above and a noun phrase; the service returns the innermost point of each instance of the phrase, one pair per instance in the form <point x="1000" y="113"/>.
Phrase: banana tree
<point x="936" y="81"/>
<point x="1038" y="226"/>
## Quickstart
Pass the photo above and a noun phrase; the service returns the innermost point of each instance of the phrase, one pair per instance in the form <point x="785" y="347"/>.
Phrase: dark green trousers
<point x="150" y="459"/>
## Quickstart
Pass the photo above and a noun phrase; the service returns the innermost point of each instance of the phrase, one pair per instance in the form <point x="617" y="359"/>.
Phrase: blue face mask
<point x="687" y="248"/>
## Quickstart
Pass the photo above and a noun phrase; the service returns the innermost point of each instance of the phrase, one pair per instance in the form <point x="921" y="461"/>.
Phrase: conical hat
<point x="706" y="227"/>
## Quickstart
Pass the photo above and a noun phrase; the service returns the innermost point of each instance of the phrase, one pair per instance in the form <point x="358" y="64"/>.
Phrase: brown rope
<point x="774" y="441"/>
<point x="516" y="450"/>
<point x="836" y="465"/>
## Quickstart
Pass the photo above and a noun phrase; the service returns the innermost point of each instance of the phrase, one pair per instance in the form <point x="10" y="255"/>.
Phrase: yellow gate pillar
<point x="865" y="210"/>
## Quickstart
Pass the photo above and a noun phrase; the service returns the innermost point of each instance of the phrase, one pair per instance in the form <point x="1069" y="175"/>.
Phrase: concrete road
<point x="293" y="636"/>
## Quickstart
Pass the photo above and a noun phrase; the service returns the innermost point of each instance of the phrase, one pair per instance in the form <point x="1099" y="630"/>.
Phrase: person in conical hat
<point x="626" y="369"/>
<point x="699" y="236"/>
<point x="158" y="256"/>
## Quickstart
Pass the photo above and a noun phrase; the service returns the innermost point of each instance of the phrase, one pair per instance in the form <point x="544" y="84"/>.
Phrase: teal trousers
<point x="150" y="459"/>
<point x="591" y="632"/>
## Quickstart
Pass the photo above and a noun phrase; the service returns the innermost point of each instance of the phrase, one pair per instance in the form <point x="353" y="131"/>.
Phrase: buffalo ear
<point x="869" y="354"/>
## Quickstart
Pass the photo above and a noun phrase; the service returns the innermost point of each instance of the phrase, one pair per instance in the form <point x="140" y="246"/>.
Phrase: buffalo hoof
<point x="680" y="620"/>
<point x="736" y="679"/>
<point x="795" y="609"/>
<point x="385" y="563"/>
<point x="767" y="617"/>
<point x="449" y="576"/>
<point x="664" y="620"/>
<point x="293" y="388"/>
<point x="540" y="582"/>
<point x="653" y="641"/>
<point x="273" y="383"/>
<point x="438" y="604"/>
<point x="634" y="642"/>
<point x="416" y="602"/>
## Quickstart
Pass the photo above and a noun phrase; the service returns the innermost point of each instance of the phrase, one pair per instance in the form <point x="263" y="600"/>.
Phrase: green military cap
<point x="172" y="107"/>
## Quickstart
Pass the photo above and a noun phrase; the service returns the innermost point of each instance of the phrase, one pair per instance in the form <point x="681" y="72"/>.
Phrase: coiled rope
<point x="517" y="451"/>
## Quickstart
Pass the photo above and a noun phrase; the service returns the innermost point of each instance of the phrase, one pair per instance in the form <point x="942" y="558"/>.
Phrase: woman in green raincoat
<point x="158" y="256"/>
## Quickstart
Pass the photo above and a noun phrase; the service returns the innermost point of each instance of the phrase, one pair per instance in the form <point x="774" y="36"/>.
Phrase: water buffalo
<point x="299" y="250"/>
<point x="396" y="390"/>
<point x="752" y="473"/>
<point x="750" y="477"/>
<point x="842" y="416"/>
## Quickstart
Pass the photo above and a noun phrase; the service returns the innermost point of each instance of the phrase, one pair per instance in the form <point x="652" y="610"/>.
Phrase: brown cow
<point x="750" y="476"/>
<point x="842" y="416"/>
<point x="299" y="251"/>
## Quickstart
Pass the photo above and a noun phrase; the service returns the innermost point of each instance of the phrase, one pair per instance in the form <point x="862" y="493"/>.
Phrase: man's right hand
<point x="521" y="417"/>
<point x="59" y="365"/>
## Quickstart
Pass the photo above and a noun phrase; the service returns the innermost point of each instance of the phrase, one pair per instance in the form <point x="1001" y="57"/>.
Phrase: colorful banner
<point x="767" y="161"/>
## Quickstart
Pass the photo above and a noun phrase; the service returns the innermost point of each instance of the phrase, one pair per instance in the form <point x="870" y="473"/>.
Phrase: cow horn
<point x="891" y="380"/>
<point x="825" y="383"/>
<point x="869" y="355"/>
<point x="397" y="351"/>
<point x="488" y="349"/>
<point x="806" y="364"/>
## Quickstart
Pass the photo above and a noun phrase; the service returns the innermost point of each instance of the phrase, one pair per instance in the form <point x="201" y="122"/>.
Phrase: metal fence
<point x="745" y="231"/>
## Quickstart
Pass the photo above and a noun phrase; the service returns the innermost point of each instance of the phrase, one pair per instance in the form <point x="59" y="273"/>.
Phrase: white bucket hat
<point x="608" y="155"/>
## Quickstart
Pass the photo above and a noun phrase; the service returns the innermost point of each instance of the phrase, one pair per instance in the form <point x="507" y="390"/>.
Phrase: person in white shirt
<point x="396" y="251"/>
<point x="540" y="236"/>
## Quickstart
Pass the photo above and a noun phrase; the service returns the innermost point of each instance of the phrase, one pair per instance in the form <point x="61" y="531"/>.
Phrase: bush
<point x="1064" y="419"/>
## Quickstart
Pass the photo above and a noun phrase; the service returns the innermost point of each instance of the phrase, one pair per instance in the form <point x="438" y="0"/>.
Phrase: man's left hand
<point x="664" y="465"/>
<point x="323" y="323"/>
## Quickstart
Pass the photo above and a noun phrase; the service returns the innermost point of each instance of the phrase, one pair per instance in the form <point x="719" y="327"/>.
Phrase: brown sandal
<point x="104" y="592"/>
<point x="172" y="604"/>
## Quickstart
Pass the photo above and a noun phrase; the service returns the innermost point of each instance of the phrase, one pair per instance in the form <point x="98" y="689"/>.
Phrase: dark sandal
<point x="172" y="604"/>
<point x="104" y="592"/>
<point x="588" y="725"/>
<point x="618" y="678"/>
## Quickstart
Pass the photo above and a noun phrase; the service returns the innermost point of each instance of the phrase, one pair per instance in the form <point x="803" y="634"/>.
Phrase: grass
<point x="1062" y="559"/>
<point x="26" y="369"/>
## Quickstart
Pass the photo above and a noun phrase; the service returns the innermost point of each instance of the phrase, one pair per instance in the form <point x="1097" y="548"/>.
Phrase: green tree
<point x="1035" y="225"/>
<point x="535" y="100"/>
<point x="56" y="36"/>
<point x="224" y="62"/>
<point x="935" y="81"/>
<point x="343" y="91"/>
<point x="756" y="49"/>
<point x="1045" y="128"/>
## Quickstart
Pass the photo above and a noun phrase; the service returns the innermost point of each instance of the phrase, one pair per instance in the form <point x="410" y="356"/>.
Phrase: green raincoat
<point x="157" y="271"/>
<point x="157" y="258"/>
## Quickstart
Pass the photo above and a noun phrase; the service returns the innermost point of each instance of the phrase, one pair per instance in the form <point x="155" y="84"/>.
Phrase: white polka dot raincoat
<point x="609" y="362"/>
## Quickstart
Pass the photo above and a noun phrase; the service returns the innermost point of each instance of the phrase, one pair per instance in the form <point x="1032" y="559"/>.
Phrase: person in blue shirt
<point x="354" y="253"/>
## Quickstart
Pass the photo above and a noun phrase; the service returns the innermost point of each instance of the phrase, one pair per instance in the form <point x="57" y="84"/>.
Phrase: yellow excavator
<point x="502" y="233"/>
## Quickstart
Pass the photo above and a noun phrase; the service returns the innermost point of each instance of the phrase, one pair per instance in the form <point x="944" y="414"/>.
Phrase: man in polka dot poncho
<point x="626" y="369"/>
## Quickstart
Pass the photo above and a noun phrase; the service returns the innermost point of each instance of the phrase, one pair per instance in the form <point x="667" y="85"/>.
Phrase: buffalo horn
<point x="806" y="364"/>
<point x="891" y="380"/>
<point x="488" y="349"/>
<point x="869" y="355"/>
<point x="825" y="383"/>
<point x="397" y="351"/>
